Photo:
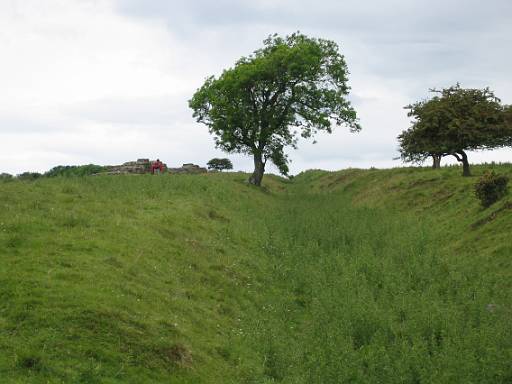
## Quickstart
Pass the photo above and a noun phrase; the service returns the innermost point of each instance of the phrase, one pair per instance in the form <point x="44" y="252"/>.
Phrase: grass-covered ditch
<point x="377" y="276"/>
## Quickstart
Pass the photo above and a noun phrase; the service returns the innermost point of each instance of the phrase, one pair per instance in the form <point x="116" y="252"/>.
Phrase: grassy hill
<point x="378" y="276"/>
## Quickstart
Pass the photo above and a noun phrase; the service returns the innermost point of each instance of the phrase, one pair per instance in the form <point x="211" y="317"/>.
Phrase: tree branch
<point x="459" y="159"/>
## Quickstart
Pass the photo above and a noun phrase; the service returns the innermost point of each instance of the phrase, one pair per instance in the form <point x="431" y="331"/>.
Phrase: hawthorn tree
<point x="416" y="146"/>
<point x="220" y="164"/>
<point x="294" y="86"/>
<point x="454" y="121"/>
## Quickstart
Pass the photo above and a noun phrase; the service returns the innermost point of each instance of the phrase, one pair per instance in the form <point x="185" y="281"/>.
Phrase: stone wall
<point x="188" y="168"/>
<point x="142" y="166"/>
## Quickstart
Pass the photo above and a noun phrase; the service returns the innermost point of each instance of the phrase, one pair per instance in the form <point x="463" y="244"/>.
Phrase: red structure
<point x="157" y="167"/>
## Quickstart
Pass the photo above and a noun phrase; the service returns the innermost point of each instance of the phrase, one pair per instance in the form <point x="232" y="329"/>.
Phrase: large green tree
<point x="454" y="121"/>
<point x="294" y="86"/>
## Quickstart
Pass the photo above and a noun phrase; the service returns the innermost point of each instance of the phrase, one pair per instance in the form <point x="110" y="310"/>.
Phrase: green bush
<point x="490" y="188"/>
<point x="28" y="176"/>
<point x="74" y="170"/>
<point x="5" y="177"/>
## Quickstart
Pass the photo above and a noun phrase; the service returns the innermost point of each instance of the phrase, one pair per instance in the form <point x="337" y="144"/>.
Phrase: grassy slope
<point x="121" y="277"/>
<point x="458" y="266"/>
<point x="438" y="195"/>
<point x="365" y="276"/>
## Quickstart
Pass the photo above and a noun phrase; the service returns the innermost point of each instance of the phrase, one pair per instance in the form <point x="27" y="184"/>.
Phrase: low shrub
<point x="490" y="188"/>
<point x="28" y="176"/>
<point x="5" y="177"/>
<point x="74" y="170"/>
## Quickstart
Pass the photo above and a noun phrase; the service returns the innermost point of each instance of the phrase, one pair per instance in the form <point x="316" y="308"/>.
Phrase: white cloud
<point x="75" y="76"/>
<point x="107" y="81"/>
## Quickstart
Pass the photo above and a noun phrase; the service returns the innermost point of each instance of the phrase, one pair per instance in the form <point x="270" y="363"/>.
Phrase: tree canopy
<point x="294" y="86"/>
<point x="454" y="121"/>
<point x="220" y="164"/>
<point x="508" y="116"/>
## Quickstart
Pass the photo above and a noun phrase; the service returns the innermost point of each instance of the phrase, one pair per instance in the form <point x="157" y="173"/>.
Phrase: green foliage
<point x="377" y="276"/>
<point x="490" y="188"/>
<point x="293" y="86"/>
<point x="74" y="170"/>
<point x="5" y="177"/>
<point x="454" y="121"/>
<point x="220" y="164"/>
<point x="28" y="176"/>
<point x="508" y="116"/>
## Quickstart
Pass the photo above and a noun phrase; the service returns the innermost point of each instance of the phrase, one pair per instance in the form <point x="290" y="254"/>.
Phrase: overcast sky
<point x="107" y="81"/>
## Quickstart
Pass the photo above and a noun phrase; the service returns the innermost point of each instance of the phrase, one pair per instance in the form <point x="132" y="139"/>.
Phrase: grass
<point x="365" y="276"/>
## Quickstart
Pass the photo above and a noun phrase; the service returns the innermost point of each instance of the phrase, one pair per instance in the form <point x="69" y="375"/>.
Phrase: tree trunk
<point x="436" y="163"/>
<point x="259" y="169"/>
<point x="465" y="164"/>
<point x="463" y="158"/>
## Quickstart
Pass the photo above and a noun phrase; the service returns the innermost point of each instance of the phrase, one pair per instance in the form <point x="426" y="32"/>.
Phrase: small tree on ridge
<point x="220" y="164"/>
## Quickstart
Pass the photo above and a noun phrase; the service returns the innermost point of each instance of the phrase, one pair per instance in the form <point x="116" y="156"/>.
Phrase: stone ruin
<point x="188" y="168"/>
<point x="142" y="166"/>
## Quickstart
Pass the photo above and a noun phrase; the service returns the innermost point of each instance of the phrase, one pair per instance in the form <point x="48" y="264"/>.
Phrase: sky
<point x="108" y="81"/>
